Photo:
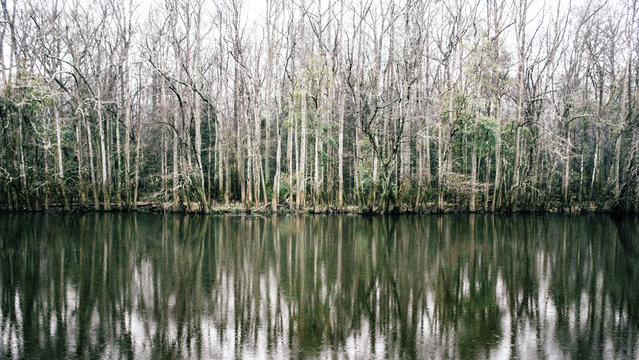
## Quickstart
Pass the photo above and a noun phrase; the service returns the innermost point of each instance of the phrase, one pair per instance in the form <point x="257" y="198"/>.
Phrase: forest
<point x="373" y="106"/>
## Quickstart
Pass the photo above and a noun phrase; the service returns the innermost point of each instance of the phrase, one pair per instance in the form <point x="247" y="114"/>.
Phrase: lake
<point x="454" y="286"/>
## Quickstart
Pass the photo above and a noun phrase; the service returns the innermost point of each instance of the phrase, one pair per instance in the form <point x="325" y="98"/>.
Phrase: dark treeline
<point x="381" y="105"/>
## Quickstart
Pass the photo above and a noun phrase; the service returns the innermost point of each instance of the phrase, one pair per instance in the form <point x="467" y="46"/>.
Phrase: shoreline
<point x="238" y="209"/>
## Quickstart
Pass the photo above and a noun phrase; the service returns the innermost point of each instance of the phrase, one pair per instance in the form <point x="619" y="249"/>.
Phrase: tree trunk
<point x="134" y="203"/>
<point x="427" y="159"/>
<point x="340" y="150"/>
<point x="209" y="154"/>
<point x="278" y="160"/>
<point x="497" y="157"/>
<point x="23" y="171"/>
<point x="595" y="165"/>
<point x="473" y="178"/>
<point x="316" y="180"/>
<point x="289" y="151"/>
<point x="96" y="202"/>
<point x="46" y="188"/>
<point x="118" y="157"/>
<point x="617" y="164"/>
<point x="106" y="191"/>
<point x="515" y="189"/>
<point x="163" y="166"/>
<point x="227" y="181"/>
<point x="522" y="8"/>
<point x="249" y="162"/>
<point x="197" y="118"/>
<point x="78" y="153"/>
<point x="341" y="109"/>
<point x="487" y="184"/>
<point x="175" y="184"/>
<point x="127" y="130"/>
<point x="58" y="135"/>
<point x="440" y="166"/>
<point x="301" y="189"/>
<point x="566" y="177"/>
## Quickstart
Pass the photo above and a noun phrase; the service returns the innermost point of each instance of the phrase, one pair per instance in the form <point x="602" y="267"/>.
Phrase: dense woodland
<point x="378" y="105"/>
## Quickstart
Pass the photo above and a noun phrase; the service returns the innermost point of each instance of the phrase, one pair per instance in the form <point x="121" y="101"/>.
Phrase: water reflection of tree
<point x="79" y="282"/>
<point x="594" y="286"/>
<point x="464" y="283"/>
<point x="115" y="285"/>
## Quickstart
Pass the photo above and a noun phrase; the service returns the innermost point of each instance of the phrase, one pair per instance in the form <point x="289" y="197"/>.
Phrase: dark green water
<point x="457" y="286"/>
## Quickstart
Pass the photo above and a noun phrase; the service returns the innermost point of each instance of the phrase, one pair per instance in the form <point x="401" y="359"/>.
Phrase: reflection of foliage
<point x="308" y="285"/>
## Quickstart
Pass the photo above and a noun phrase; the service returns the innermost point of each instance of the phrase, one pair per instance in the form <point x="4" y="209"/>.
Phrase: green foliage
<point x="324" y="157"/>
<point x="462" y="109"/>
<point x="331" y="142"/>
<point x="32" y="94"/>
<point x="284" y="189"/>
<point x="488" y="124"/>
<point x="487" y="128"/>
<point x="366" y="177"/>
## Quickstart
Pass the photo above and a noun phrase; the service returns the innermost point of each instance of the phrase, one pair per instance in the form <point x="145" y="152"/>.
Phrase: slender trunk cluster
<point x="401" y="105"/>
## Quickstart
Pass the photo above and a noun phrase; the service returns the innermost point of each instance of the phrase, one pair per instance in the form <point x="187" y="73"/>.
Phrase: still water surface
<point x="456" y="286"/>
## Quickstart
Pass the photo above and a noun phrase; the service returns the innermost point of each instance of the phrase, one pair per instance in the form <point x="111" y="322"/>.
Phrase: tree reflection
<point x="463" y="286"/>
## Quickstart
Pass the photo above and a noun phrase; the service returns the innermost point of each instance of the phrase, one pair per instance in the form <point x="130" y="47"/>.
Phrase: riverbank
<point x="265" y="209"/>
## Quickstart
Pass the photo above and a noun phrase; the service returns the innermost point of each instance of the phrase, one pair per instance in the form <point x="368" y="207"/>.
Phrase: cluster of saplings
<point x="401" y="105"/>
